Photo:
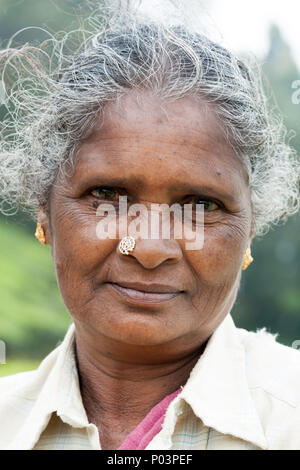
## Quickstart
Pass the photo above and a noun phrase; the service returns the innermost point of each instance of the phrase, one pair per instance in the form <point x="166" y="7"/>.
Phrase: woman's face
<point x="151" y="153"/>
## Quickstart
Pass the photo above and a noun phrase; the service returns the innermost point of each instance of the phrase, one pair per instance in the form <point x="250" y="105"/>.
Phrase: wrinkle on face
<point x="159" y="154"/>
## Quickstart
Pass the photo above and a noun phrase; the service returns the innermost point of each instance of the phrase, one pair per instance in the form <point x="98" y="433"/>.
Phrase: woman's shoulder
<point x="27" y="385"/>
<point x="21" y="397"/>
<point x="30" y="383"/>
<point x="16" y="383"/>
<point x="271" y="366"/>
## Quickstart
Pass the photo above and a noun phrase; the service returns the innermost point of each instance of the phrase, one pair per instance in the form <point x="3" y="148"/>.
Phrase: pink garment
<point x="140" y="437"/>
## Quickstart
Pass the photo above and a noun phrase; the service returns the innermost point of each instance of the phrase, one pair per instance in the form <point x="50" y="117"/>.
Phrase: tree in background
<point x="270" y="291"/>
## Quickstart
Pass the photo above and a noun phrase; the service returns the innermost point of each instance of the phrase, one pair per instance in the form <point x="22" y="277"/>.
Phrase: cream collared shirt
<point x="243" y="393"/>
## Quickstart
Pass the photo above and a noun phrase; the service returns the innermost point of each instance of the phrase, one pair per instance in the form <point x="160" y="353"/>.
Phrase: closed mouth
<point x="145" y="293"/>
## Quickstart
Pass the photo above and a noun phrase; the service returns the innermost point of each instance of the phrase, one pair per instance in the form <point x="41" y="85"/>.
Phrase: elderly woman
<point x="152" y="359"/>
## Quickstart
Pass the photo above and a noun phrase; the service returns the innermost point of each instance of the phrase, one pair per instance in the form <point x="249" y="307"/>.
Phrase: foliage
<point x="270" y="290"/>
<point x="32" y="316"/>
<point x="13" y="366"/>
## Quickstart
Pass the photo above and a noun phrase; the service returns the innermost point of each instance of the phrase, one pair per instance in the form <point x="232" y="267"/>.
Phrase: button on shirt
<point x="242" y="394"/>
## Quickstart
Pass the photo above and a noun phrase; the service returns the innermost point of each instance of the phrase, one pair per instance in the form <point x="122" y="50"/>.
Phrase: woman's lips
<point x="140" y="296"/>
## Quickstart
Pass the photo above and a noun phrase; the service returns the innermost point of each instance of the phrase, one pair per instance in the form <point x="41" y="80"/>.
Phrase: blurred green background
<point x="33" y="319"/>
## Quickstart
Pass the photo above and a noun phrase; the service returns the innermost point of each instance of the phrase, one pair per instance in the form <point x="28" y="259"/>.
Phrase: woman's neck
<point x="117" y="395"/>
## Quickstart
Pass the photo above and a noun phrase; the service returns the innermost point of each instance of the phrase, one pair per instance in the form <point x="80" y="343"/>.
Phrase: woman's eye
<point x="209" y="206"/>
<point x="105" y="192"/>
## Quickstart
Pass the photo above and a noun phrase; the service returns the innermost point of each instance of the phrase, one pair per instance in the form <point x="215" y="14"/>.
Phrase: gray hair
<point x="56" y="96"/>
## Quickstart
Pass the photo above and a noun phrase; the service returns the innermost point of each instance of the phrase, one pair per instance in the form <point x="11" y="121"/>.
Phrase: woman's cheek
<point x="218" y="261"/>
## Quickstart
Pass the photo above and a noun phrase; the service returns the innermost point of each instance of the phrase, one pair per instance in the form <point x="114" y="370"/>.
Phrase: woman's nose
<point x="151" y="253"/>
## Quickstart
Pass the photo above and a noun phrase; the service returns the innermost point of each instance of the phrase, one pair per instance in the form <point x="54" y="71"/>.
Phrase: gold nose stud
<point x="126" y="245"/>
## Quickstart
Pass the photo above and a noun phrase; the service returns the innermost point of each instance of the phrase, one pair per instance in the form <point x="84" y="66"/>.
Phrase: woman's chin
<point x="136" y="327"/>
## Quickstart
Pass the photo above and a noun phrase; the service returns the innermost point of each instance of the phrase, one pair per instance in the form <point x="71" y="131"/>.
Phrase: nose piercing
<point x="126" y="245"/>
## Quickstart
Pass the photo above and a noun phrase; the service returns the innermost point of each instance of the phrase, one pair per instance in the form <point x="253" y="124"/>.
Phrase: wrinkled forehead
<point x="145" y="113"/>
<point x="139" y="124"/>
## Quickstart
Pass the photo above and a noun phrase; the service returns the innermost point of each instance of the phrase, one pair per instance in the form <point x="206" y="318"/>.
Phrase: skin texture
<point x="131" y="356"/>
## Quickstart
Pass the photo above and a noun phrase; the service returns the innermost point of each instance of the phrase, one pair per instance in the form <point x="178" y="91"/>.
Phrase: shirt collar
<point x="217" y="389"/>
<point x="55" y="390"/>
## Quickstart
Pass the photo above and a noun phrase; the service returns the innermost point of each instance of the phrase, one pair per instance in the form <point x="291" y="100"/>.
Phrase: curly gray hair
<point x="55" y="97"/>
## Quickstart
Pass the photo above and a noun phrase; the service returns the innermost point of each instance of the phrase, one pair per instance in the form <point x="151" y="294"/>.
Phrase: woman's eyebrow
<point x="188" y="188"/>
<point x="105" y="180"/>
<point x="207" y="190"/>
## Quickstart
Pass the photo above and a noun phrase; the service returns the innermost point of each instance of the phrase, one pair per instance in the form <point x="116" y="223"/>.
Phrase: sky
<point x="243" y="25"/>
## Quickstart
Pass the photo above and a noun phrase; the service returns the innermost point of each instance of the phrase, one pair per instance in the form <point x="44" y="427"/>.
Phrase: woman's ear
<point x="252" y="232"/>
<point x="44" y="220"/>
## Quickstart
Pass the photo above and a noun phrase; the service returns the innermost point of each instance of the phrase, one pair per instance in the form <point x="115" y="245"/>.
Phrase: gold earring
<point x="40" y="234"/>
<point x="247" y="259"/>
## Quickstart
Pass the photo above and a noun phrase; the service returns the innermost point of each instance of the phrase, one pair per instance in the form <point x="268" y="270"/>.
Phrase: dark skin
<point x="131" y="356"/>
